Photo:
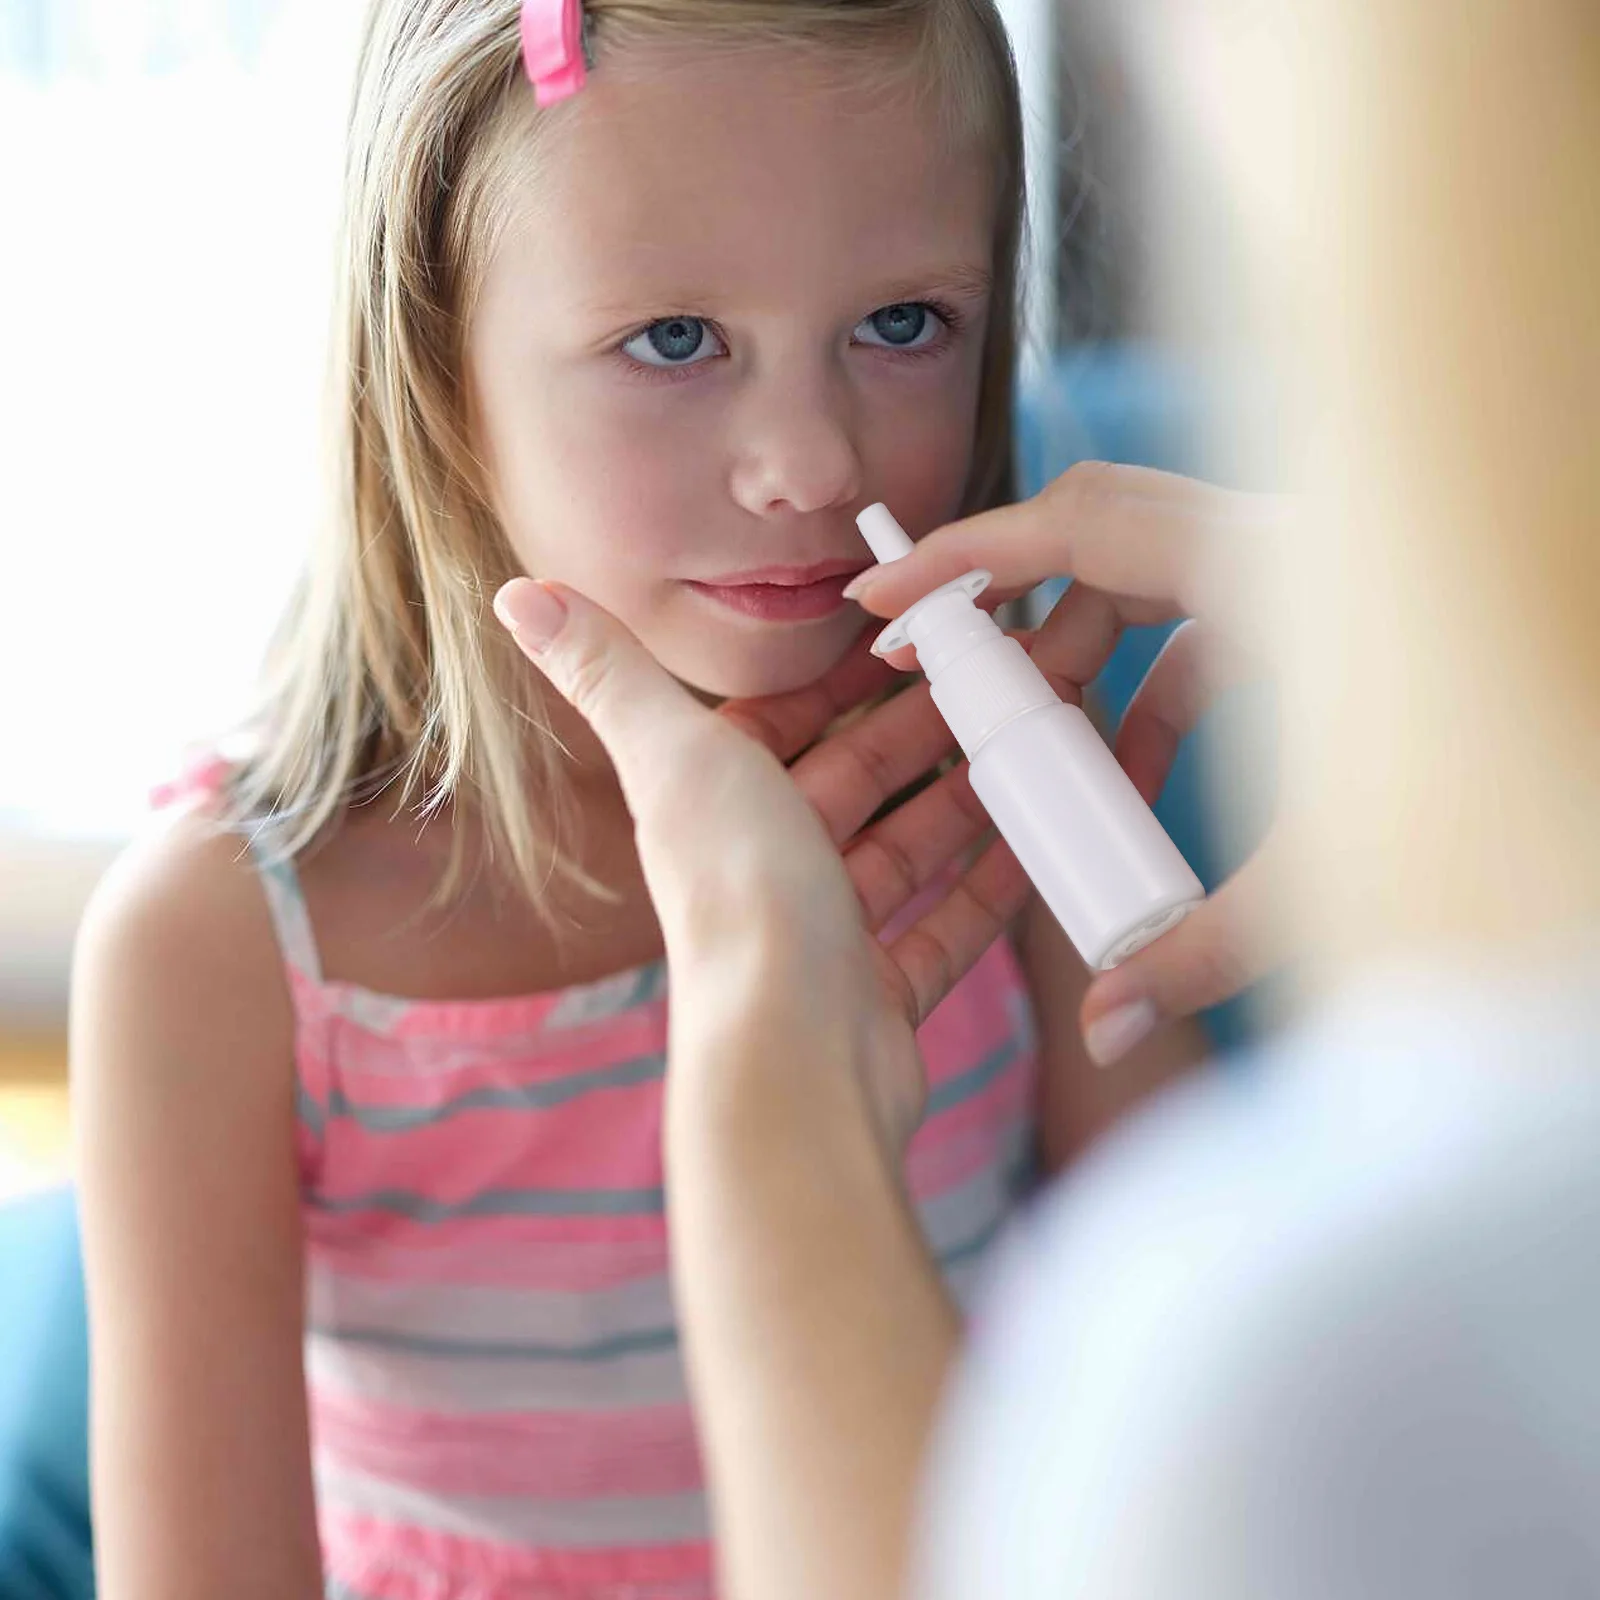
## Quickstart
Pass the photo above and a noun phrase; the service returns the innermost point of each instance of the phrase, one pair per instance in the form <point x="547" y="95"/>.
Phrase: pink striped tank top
<point x="498" y="1405"/>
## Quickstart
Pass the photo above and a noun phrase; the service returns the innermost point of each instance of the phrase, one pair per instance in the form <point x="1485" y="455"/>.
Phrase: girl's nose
<point x="797" y="450"/>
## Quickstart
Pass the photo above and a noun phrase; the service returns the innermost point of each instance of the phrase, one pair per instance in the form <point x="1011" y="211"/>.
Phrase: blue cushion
<point x="45" y="1549"/>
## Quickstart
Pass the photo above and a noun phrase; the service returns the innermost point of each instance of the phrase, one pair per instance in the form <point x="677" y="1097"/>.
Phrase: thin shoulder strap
<point x="287" y="904"/>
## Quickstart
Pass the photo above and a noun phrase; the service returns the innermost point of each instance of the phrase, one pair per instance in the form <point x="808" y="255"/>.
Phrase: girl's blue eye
<point x="673" y="342"/>
<point x="899" y="327"/>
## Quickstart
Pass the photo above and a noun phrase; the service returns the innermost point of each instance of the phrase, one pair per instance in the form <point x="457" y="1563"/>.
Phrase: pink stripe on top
<point x="498" y="1403"/>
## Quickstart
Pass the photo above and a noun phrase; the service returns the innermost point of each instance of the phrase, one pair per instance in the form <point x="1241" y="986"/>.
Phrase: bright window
<point x="171" y="177"/>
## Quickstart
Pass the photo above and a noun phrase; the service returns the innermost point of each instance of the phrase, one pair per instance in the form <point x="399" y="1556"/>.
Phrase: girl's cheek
<point x="925" y="420"/>
<point x="626" y="474"/>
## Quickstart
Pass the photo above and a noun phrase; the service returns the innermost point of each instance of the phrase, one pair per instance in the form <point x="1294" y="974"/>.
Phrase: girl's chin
<point x="743" y="668"/>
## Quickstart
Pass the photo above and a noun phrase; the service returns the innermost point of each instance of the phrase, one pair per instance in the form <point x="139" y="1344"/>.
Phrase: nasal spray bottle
<point x="1084" y="836"/>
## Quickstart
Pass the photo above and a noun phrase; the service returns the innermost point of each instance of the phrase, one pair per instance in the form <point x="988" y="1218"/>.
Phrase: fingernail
<point x="1109" y="1038"/>
<point x="858" y="585"/>
<point x="533" y="612"/>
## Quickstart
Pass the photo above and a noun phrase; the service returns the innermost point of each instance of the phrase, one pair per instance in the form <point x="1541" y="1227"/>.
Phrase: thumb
<point x="644" y="718"/>
<point x="1223" y="946"/>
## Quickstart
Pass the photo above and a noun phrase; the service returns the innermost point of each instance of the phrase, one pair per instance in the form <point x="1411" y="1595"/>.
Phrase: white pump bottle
<point x="1082" y="832"/>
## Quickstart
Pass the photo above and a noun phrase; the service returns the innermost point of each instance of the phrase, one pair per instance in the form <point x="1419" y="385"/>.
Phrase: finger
<point x="788" y="723"/>
<point x="645" y="719"/>
<point x="895" y="859"/>
<point x="1074" y="643"/>
<point x="865" y="765"/>
<point x="941" y="947"/>
<point x="1221" y="948"/>
<point x="1127" y="530"/>
<point x="1195" y="666"/>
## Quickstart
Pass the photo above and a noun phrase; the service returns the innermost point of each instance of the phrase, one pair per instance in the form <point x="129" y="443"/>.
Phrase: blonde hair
<point x="385" y="673"/>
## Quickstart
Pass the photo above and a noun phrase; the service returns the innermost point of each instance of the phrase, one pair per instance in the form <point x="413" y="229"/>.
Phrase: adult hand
<point x="813" y="1316"/>
<point x="771" y="885"/>
<point x="1143" y="547"/>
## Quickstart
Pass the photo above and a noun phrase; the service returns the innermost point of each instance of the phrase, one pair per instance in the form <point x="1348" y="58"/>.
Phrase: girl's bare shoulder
<point x="180" y="925"/>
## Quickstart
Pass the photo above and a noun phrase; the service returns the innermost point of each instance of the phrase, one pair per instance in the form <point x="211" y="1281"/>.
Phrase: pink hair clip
<point x="553" y="48"/>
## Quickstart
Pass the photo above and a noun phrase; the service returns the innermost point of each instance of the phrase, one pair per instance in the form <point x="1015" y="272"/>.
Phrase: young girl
<point x="354" y="1217"/>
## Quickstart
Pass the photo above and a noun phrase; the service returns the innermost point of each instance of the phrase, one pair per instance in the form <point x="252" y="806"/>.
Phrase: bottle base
<point x="1147" y="932"/>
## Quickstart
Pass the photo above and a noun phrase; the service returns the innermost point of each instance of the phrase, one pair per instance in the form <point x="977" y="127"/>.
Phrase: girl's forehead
<point x="716" y="165"/>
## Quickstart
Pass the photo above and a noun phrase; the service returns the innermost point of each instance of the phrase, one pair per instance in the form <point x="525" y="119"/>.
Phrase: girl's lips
<point x="779" y="602"/>
<point x="784" y="594"/>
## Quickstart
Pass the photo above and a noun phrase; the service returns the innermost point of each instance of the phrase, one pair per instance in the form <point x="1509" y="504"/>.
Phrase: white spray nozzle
<point x="886" y="539"/>
<point x="981" y="679"/>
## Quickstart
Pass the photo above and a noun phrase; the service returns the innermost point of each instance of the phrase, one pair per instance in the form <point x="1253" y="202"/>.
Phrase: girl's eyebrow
<point x="963" y="280"/>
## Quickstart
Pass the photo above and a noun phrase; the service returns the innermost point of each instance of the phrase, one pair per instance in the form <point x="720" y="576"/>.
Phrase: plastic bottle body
<point x="1091" y="846"/>
<point x="1083" y="834"/>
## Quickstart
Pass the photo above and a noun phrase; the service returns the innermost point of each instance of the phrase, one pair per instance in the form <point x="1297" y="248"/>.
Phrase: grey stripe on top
<point x="548" y="1202"/>
<point x="444" y="1348"/>
<point x="953" y="1219"/>
<point x="514" y="1097"/>
<point x="481" y="1315"/>
<point x="497" y="1203"/>
<point x="590" y="1323"/>
<point x="971" y="1083"/>
<point x="480" y="1349"/>
<point x="396" y="1375"/>
<point x="306" y="1108"/>
<point x="600" y="1520"/>
<point x="649" y="1068"/>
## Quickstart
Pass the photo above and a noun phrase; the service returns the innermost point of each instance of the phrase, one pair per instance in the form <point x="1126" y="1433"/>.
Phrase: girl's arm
<point x="1077" y="1099"/>
<point x="183" y="1083"/>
